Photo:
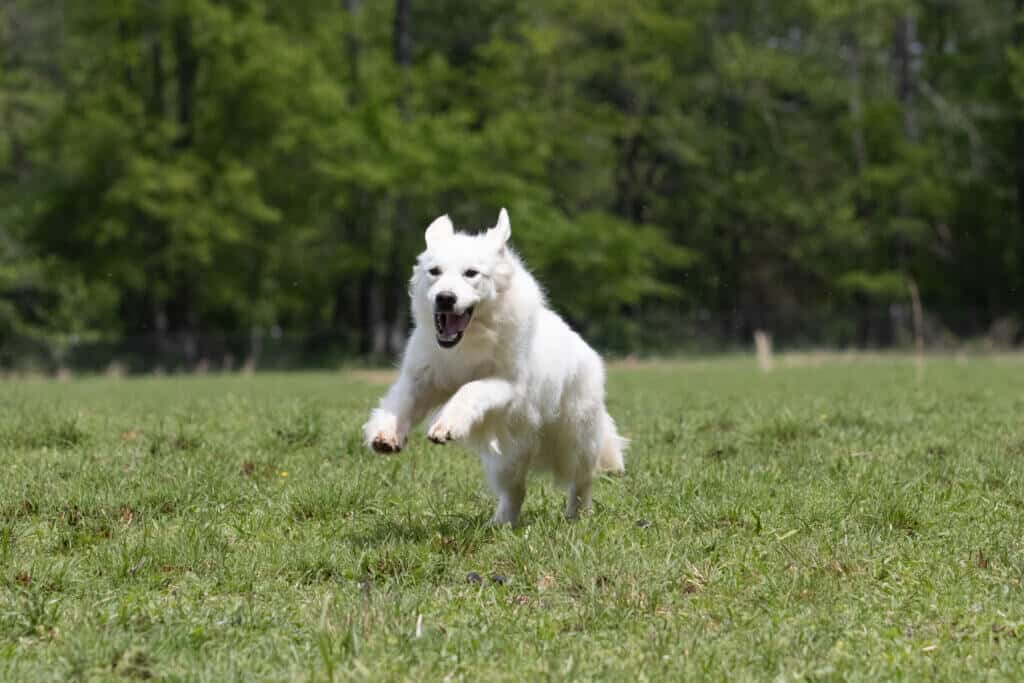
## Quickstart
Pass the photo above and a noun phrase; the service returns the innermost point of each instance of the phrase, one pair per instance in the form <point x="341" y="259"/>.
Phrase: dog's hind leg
<point x="579" y="497"/>
<point x="507" y="478"/>
<point x="581" y="444"/>
<point x="510" y="504"/>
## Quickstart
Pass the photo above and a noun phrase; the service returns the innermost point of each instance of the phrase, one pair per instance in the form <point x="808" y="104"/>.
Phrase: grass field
<point x="836" y="522"/>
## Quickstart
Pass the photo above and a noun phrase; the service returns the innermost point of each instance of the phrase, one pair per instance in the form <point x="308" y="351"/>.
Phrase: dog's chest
<point x="468" y="362"/>
<point x="449" y="377"/>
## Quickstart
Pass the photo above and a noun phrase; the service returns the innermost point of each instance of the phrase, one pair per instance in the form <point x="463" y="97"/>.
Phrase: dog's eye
<point x="470" y="273"/>
<point x="435" y="271"/>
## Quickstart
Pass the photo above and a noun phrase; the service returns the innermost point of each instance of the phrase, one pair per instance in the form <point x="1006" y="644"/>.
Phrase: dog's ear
<point x="500" y="233"/>
<point x="438" y="231"/>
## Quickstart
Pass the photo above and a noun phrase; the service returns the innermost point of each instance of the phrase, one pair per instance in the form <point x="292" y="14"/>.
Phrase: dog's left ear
<point x="500" y="233"/>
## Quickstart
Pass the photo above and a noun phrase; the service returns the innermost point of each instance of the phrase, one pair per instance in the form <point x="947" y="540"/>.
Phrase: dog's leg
<point x="506" y="475"/>
<point x="405" y="404"/>
<point x="467" y="407"/>
<point x="510" y="503"/>
<point x="579" y="498"/>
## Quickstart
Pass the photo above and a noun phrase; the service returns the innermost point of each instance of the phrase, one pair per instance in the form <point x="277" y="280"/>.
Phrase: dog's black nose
<point x="445" y="301"/>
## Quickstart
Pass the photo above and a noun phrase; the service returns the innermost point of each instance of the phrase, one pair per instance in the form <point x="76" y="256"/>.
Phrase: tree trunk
<point x="394" y="287"/>
<point x="352" y="46"/>
<point x="629" y="199"/>
<point x="403" y="33"/>
<point x="905" y="43"/>
<point x="373" y="326"/>
<point x="12" y="64"/>
<point x="156" y="101"/>
<point x="353" y="316"/>
<point x="160" y="329"/>
<point x="1018" y="41"/>
<point x="188" y="69"/>
<point x="124" y="34"/>
<point x="855" y="76"/>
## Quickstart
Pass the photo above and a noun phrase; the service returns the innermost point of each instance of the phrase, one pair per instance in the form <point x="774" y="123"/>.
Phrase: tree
<point x="197" y="173"/>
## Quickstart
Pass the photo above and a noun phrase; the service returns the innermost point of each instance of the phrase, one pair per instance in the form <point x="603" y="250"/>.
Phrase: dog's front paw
<point x="386" y="443"/>
<point x="451" y="425"/>
<point x="381" y="433"/>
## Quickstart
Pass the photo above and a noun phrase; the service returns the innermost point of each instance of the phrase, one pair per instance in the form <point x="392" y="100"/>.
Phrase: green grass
<point x="834" y="522"/>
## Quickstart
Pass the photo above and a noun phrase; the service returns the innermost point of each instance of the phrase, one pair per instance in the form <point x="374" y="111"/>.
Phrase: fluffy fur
<point x="497" y="369"/>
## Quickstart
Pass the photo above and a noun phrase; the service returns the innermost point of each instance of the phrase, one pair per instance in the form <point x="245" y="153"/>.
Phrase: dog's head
<point x="459" y="276"/>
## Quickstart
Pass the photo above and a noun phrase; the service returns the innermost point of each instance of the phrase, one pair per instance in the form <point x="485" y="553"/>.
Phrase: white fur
<point x="520" y="388"/>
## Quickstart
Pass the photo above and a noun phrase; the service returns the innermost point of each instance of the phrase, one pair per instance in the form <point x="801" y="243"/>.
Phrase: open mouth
<point x="450" y="326"/>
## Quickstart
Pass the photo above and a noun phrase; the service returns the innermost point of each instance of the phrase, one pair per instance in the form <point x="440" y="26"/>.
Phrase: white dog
<point x="500" y="371"/>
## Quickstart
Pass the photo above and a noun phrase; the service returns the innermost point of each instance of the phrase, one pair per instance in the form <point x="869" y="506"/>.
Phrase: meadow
<point x="833" y="521"/>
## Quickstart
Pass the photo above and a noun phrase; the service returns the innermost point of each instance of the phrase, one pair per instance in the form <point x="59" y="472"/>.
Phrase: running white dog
<point x="500" y="371"/>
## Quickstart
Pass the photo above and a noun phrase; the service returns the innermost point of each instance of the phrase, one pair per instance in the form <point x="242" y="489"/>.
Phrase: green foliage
<point x="880" y="285"/>
<point x="180" y="167"/>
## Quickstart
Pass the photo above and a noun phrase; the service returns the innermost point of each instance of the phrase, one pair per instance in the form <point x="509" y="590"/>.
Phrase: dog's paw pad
<point x="385" y="444"/>
<point x="452" y="425"/>
<point x="439" y="435"/>
<point x="444" y="431"/>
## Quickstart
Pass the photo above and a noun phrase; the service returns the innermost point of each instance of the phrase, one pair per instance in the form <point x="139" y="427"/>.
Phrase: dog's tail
<point x="609" y="457"/>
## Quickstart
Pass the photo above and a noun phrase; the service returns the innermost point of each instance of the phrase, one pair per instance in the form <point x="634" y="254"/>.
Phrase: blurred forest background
<point x="225" y="182"/>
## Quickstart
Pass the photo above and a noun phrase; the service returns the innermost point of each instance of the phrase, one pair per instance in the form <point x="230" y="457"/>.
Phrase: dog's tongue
<point x="454" y="323"/>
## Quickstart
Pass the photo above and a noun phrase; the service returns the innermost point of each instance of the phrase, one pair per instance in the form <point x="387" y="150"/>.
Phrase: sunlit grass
<point x="842" y="521"/>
